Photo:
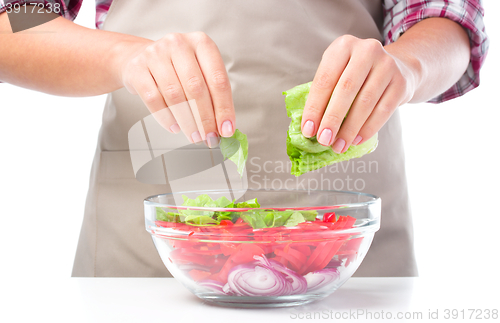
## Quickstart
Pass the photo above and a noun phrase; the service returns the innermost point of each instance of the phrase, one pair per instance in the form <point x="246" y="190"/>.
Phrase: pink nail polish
<point x="212" y="140"/>
<point x="357" y="140"/>
<point x="227" y="129"/>
<point x="175" y="128"/>
<point x="325" y="137"/>
<point x="339" y="145"/>
<point x="308" y="129"/>
<point x="196" y="137"/>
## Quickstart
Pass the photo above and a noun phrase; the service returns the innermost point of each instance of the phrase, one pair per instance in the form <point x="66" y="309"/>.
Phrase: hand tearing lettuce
<point x="307" y="154"/>
<point x="235" y="148"/>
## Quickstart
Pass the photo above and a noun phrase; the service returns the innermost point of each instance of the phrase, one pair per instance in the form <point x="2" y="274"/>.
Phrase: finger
<point x="388" y="103"/>
<point x="195" y="88"/>
<point x="345" y="92"/>
<point x="145" y="86"/>
<point x="214" y="71"/>
<point x="330" y="69"/>
<point x="364" y="103"/>
<point x="170" y="88"/>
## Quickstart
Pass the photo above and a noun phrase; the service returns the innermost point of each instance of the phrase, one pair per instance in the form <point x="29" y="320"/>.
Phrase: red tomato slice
<point x="305" y="250"/>
<point x="352" y="244"/>
<point x="349" y="222"/>
<point x="328" y="257"/>
<point x="295" y="264"/>
<point x="282" y="260"/>
<point x="183" y="243"/>
<point x="203" y="250"/>
<point x="317" y="251"/>
<point x="339" y="225"/>
<point x="228" y="248"/>
<point x="178" y="257"/>
<point x="323" y="254"/>
<point x="329" y="217"/>
<point x="344" y="222"/>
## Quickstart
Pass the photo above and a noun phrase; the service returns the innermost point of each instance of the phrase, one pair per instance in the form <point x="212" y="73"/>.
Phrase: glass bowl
<point x="254" y="263"/>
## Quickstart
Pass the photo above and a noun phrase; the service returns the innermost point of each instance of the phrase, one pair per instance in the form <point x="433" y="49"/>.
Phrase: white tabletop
<point x="165" y="300"/>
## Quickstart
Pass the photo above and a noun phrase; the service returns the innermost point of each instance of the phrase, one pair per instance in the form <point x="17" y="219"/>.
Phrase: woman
<point x="152" y="57"/>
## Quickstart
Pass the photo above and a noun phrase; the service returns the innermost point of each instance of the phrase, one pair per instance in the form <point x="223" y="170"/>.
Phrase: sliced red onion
<point x="299" y="283"/>
<point x="212" y="285"/>
<point x="321" y="279"/>
<point x="257" y="278"/>
<point x="227" y="289"/>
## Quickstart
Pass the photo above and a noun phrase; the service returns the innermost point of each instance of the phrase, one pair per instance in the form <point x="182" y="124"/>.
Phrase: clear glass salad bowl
<point x="266" y="248"/>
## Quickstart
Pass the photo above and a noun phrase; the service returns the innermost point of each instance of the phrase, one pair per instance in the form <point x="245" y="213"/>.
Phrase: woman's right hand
<point x="178" y="68"/>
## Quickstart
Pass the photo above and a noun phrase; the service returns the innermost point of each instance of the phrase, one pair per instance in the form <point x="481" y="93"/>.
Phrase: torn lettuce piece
<point x="266" y="219"/>
<point x="248" y="204"/>
<point x="257" y="219"/>
<point x="205" y="218"/>
<point x="200" y="220"/>
<point x="309" y="215"/>
<point x="224" y="202"/>
<point x="205" y="201"/>
<point x="163" y="215"/>
<point x="200" y="201"/>
<point x="235" y="148"/>
<point x="307" y="154"/>
<point x="295" y="219"/>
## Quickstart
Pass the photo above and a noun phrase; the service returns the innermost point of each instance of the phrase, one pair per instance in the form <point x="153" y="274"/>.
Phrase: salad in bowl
<point x="265" y="249"/>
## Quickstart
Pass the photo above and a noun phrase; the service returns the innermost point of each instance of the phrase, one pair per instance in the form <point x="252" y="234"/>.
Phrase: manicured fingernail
<point x="325" y="137"/>
<point x="357" y="140"/>
<point x="196" y="136"/>
<point x="226" y="129"/>
<point x="338" y="146"/>
<point x="308" y="129"/>
<point x="175" y="128"/>
<point x="212" y="140"/>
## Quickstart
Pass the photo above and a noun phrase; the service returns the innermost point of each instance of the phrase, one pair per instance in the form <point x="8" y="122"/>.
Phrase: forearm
<point x="63" y="58"/>
<point x="438" y="51"/>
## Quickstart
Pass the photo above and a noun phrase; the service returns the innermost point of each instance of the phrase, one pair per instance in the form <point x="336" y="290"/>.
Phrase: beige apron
<point x="268" y="46"/>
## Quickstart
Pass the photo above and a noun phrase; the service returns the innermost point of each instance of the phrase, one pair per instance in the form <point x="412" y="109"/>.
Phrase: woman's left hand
<point x="361" y="77"/>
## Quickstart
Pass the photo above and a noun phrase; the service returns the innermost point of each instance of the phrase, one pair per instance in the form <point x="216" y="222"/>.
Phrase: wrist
<point x="121" y="54"/>
<point x="411" y="67"/>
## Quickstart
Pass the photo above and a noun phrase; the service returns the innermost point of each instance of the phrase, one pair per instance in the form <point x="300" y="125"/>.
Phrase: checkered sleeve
<point x="400" y="15"/>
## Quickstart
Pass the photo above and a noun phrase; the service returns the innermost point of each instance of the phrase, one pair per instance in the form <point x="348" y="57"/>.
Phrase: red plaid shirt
<point x="400" y="15"/>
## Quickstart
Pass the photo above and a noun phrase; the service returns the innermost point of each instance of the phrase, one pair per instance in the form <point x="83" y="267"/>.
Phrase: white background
<point x="452" y="165"/>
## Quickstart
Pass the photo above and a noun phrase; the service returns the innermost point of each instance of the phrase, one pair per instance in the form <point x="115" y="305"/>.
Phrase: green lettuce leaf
<point x="307" y="154"/>
<point x="235" y="148"/>
<point x="257" y="219"/>
<point x="309" y="215"/>
<point x="266" y="219"/>
<point x="200" y="201"/>
<point x="224" y="202"/>
<point x="163" y="215"/>
<point x="200" y="220"/>
<point x="248" y="204"/>
<point x="281" y="218"/>
<point x="295" y="219"/>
